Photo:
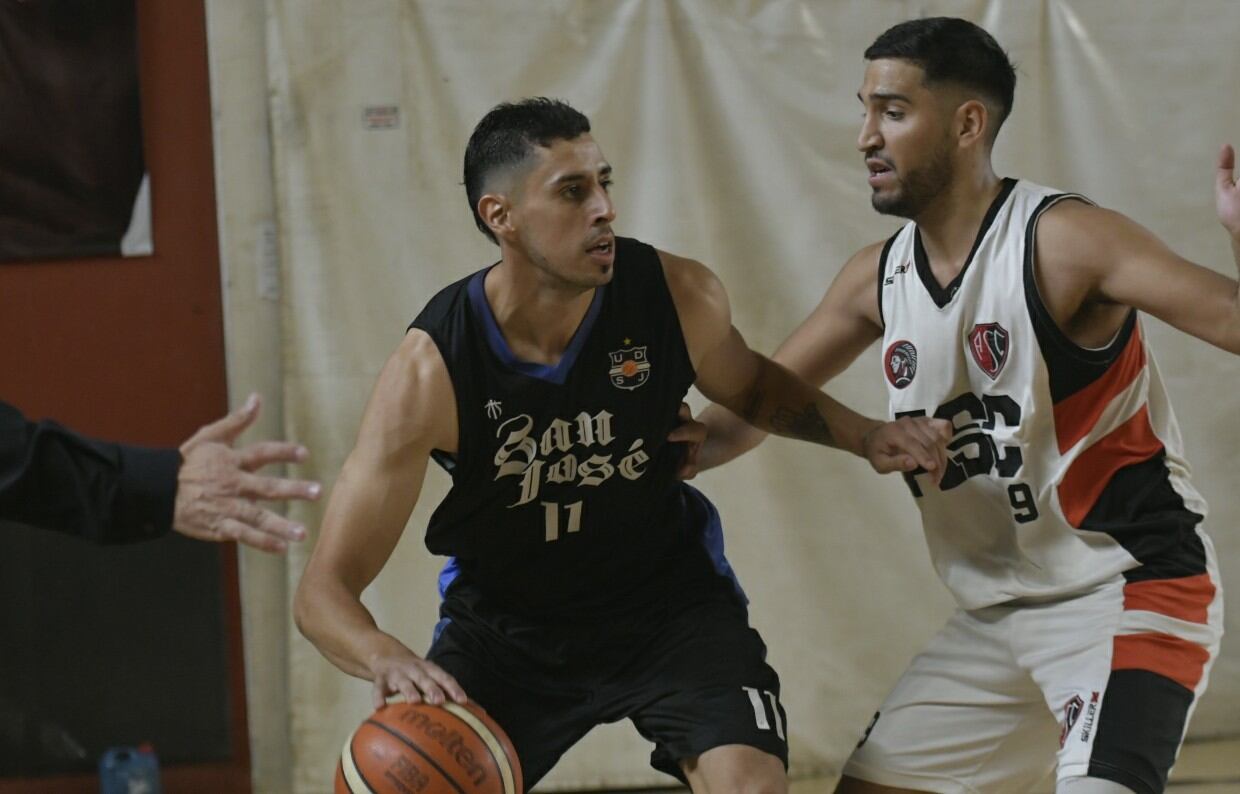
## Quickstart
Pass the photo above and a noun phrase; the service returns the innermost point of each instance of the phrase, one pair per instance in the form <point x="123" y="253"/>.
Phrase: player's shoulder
<point x="413" y="402"/>
<point x="1076" y="232"/>
<point x="444" y="304"/>
<point x="687" y="278"/>
<point x="415" y="377"/>
<point x="861" y="271"/>
<point x="1074" y="213"/>
<point x="868" y="258"/>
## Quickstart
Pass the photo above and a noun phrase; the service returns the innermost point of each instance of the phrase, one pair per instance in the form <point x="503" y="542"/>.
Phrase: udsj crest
<point x="629" y="367"/>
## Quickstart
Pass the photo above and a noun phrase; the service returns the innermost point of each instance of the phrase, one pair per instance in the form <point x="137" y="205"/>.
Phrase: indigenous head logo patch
<point x="900" y="363"/>
<point x="1071" y="713"/>
<point x="988" y="342"/>
<point x="630" y="368"/>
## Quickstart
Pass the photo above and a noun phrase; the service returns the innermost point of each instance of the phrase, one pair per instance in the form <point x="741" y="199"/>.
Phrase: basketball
<point x="415" y="748"/>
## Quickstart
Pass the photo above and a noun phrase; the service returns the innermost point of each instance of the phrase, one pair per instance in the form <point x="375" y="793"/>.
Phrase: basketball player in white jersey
<point x="1065" y="525"/>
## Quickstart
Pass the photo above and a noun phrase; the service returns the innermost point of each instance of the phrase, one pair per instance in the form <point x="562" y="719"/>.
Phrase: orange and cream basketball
<point x="415" y="748"/>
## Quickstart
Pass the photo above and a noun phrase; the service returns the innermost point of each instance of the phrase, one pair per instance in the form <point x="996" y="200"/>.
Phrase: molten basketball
<point x="413" y="748"/>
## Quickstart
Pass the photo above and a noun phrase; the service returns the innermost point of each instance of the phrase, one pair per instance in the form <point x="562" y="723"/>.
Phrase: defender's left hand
<point x="692" y="434"/>
<point x="907" y="443"/>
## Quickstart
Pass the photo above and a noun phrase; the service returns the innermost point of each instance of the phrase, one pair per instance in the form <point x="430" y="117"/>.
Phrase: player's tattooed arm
<point x="845" y="322"/>
<point x="808" y="424"/>
<point x="771" y="398"/>
<point x="752" y="406"/>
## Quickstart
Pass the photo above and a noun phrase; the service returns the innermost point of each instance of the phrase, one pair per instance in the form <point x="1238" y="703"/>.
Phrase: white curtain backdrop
<point x="731" y="125"/>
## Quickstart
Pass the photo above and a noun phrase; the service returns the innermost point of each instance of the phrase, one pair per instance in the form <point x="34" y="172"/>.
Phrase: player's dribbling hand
<point x="692" y="434"/>
<point x="909" y="443"/>
<point x="402" y="672"/>
<point x="217" y="488"/>
<point x="1227" y="191"/>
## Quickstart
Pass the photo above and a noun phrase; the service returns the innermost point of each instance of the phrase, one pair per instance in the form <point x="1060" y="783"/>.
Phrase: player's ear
<point x="972" y="122"/>
<point x="496" y="212"/>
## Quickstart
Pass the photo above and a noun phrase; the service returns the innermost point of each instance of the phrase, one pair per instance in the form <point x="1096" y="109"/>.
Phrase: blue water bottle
<point x="129" y="770"/>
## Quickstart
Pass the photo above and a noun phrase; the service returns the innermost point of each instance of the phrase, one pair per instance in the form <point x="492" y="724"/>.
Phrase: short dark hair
<point x="508" y="134"/>
<point x="951" y="50"/>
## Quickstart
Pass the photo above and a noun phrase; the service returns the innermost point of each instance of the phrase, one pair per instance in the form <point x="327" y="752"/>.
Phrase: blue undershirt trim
<point x="499" y="346"/>
<point x="711" y="528"/>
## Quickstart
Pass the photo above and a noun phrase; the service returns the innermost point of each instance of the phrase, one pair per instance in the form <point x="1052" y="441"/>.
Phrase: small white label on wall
<point x="381" y="117"/>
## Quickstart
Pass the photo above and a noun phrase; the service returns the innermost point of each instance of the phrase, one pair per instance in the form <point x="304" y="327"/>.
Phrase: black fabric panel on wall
<point x="106" y="646"/>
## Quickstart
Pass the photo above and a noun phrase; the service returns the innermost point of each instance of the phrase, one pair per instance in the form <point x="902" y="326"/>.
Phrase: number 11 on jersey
<point x="552" y="512"/>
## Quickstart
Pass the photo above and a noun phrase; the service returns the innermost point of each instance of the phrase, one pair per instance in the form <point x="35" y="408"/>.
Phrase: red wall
<point x="133" y="349"/>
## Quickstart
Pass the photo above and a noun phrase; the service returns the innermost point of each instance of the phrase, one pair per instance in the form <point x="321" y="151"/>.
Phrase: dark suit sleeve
<point x="53" y="478"/>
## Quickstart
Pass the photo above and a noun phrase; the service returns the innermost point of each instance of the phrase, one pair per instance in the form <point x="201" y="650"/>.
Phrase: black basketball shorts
<point x="690" y="674"/>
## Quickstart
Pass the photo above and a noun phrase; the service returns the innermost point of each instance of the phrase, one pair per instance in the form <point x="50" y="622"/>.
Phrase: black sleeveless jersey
<point x="564" y="498"/>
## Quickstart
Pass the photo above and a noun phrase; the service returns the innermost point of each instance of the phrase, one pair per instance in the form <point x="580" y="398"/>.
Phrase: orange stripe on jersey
<point x="1180" y="660"/>
<point x="1185" y="598"/>
<point x="1131" y="442"/>
<point x="1075" y="416"/>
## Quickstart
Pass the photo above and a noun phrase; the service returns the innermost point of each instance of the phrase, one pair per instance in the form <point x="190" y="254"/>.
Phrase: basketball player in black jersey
<point x="587" y="583"/>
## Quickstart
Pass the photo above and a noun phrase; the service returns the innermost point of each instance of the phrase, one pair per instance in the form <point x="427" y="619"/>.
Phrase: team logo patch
<point x="630" y="368"/>
<point x="988" y="342"/>
<point x="1071" y="713"/>
<point x="900" y="363"/>
<point x="494" y="409"/>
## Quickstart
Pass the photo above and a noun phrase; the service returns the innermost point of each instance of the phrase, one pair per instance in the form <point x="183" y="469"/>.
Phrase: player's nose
<point x="605" y="209"/>
<point x="868" y="139"/>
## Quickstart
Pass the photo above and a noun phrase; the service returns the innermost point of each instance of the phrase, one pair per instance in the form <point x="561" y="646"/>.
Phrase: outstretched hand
<point x="1227" y="191"/>
<point x="217" y="488"/>
<point x="908" y="443"/>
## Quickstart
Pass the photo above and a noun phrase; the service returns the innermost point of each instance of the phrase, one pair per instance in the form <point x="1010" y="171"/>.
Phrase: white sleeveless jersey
<point x="1065" y="468"/>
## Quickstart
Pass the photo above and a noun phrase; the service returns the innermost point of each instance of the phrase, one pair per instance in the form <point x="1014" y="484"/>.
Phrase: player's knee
<point x="1090" y="785"/>
<point x="851" y="785"/>
<point x="731" y="775"/>
<point x="765" y="776"/>
<point x="761" y="784"/>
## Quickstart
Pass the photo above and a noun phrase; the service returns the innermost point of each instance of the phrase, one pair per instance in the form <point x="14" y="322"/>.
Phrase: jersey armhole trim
<point x="1041" y="316"/>
<point x="882" y="269"/>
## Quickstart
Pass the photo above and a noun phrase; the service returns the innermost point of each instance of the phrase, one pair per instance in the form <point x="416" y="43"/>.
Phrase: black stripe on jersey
<point x="882" y="271"/>
<point x="1069" y="366"/>
<point x="1141" y="510"/>
<point x="942" y="295"/>
<point x="1140" y="724"/>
